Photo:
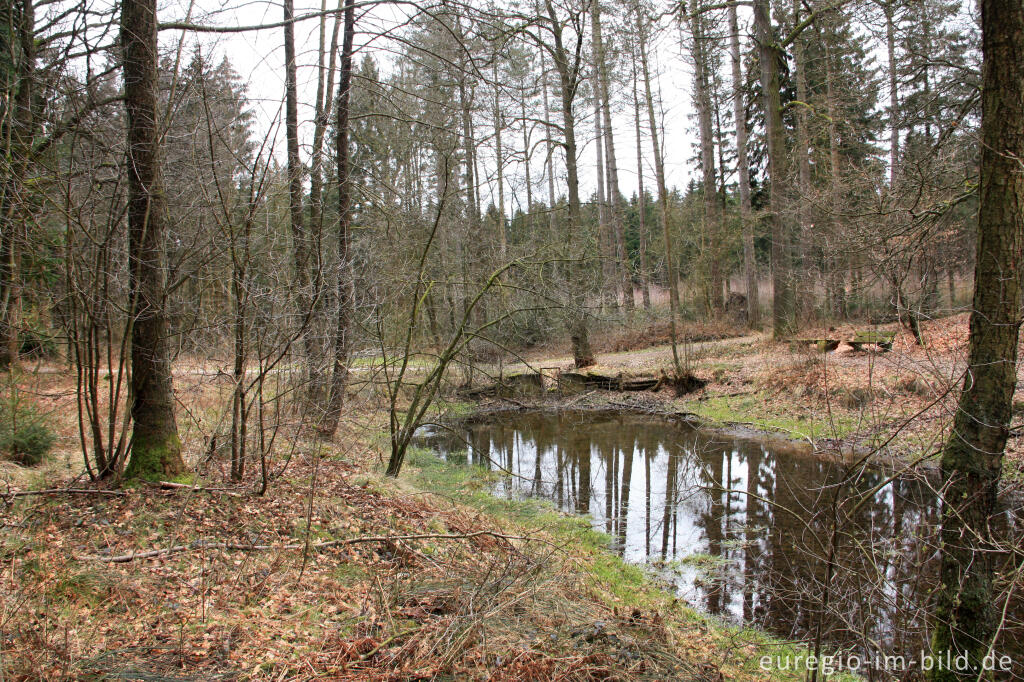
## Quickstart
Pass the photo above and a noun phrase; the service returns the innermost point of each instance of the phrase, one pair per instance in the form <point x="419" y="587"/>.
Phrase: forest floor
<point x="336" y="572"/>
<point x="898" y="405"/>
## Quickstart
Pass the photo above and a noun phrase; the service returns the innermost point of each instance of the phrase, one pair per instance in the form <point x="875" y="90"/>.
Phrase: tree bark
<point x="743" y="172"/>
<point x="702" y="92"/>
<point x="345" y="286"/>
<point x="833" y="260"/>
<point x="645" y="271"/>
<point x="802" y="288"/>
<point x="770" y="53"/>
<point x="14" y="218"/>
<point x="156" y="448"/>
<point x="583" y="354"/>
<point x="499" y="123"/>
<point x="659" y="172"/>
<point x="972" y="459"/>
<point x="605" y="239"/>
<point x="300" y="239"/>
<point x="622" y="266"/>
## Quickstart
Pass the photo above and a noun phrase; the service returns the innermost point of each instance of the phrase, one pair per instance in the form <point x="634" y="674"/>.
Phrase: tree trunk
<point x="645" y="271"/>
<point x="499" y="149"/>
<point x="549" y="152"/>
<point x="300" y="240"/>
<point x="802" y="288"/>
<point x="583" y="355"/>
<point x="606" y="243"/>
<point x="837" y="285"/>
<point x="743" y="171"/>
<point x="972" y="459"/>
<point x="659" y="172"/>
<point x="14" y="218"/>
<point x="345" y="285"/>
<point x="156" y="449"/>
<point x="702" y="91"/>
<point x="894" y="96"/>
<point x="622" y="266"/>
<point x="770" y="56"/>
<point x="527" y="154"/>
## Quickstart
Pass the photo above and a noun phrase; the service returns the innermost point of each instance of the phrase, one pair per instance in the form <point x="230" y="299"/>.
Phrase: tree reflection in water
<point x="743" y="529"/>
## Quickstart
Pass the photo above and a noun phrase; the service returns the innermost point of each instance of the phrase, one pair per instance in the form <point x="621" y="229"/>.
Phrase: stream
<point x="741" y="527"/>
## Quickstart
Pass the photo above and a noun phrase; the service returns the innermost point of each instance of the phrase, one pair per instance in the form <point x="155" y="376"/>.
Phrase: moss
<point x="154" y="457"/>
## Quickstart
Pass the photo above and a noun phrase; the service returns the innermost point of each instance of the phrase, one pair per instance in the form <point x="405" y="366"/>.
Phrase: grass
<point x="622" y="586"/>
<point x="759" y="412"/>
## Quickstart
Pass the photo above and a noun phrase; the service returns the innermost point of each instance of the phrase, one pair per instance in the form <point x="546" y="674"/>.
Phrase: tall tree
<point x="743" y="172"/>
<point x="642" y="233"/>
<point x="802" y="152"/>
<point x="156" y="448"/>
<point x="568" y="66"/>
<point x="19" y="127"/>
<point x="699" y="49"/>
<point x="972" y="459"/>
<point x="344" y="284"/>
<point x="611" y="169"/>
<point x="770" y="57"/>
<point x="642" y="25"/>
<point x="296" y="212"/>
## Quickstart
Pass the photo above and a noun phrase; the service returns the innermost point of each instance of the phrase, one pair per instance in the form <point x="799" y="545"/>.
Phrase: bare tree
<point x="345" y="291"/>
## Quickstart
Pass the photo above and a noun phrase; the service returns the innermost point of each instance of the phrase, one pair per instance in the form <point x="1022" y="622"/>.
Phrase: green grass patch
<point x="757" y="411"/>
<point x="619" y="584"/>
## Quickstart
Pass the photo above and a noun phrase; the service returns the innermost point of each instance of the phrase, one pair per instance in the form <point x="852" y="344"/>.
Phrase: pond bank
<point x="627" y="601"/>
<point x="719" y="512"/>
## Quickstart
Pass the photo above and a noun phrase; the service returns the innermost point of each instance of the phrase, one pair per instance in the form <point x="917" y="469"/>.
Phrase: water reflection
<point x="743" y="531"/>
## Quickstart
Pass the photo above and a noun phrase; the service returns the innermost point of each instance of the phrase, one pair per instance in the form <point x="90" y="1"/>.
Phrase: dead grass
<point x="659" y="334"/>
<point x="475" y="608"/>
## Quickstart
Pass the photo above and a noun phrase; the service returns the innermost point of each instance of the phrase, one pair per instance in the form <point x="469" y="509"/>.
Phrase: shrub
<point x="27" y="444"/>
<point x="24" y="436"/>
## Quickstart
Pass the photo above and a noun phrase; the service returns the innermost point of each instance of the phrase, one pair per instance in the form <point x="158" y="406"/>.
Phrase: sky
<point x="258" y="57"/>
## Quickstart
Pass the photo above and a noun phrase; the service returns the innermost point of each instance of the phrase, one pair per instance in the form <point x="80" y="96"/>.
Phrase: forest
<point x="511" y="340"/>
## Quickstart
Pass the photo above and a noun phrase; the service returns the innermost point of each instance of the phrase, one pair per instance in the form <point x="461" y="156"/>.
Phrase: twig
<point x="64" y="491"/>
<point x="200" y="544"/>
<point x="373" y="652"/>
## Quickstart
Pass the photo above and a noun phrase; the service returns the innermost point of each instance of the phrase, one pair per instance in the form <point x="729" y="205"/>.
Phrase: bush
<point x="27" y="444"/>
<point x="24" y="436"/>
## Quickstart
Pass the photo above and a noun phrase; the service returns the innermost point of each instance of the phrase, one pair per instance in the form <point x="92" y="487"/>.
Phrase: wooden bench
<point x="823" y="345"/>
<point x="872" y="338"/>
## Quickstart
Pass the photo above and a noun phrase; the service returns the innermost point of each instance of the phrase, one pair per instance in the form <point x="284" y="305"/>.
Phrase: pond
<point x="742" y="527"/>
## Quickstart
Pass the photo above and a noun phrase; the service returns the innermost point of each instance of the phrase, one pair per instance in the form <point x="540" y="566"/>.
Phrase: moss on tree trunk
<point x="965" y="623"/>
<point x="156" y="449"/>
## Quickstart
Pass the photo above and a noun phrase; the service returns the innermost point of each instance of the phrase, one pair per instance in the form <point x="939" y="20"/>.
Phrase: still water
<point x="741" y="527"/>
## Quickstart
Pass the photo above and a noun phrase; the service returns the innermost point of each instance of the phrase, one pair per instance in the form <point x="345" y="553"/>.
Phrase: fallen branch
<point x="200" y="544"/>
<point x="64" y="491"/>
<point x="170" y="485"/>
